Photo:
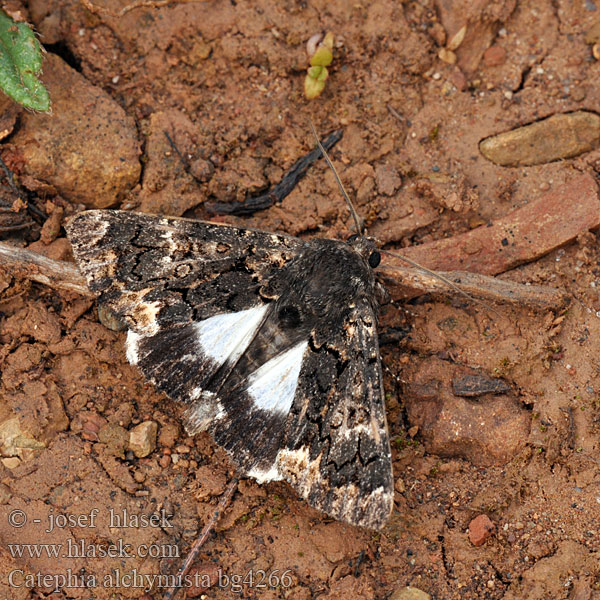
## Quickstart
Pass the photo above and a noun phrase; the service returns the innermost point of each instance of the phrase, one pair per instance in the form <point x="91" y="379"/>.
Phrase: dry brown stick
<point x="195" y="549"/>
<point x="405" y="282"/>
<point x="57" y="274"/>
<point x="100" y="10"/>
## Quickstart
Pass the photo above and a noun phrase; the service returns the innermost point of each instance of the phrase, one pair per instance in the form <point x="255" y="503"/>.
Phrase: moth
<point x="268" y="339"/>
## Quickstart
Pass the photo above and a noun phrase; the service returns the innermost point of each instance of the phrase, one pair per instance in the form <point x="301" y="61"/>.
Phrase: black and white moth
<point x="270" y="340"/>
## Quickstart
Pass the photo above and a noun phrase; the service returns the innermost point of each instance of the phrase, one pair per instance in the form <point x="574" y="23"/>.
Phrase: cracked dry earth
<point x="497" y="495"/>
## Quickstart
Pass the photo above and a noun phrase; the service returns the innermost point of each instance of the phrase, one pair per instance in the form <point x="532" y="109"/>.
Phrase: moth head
<point x="367" y="248"/>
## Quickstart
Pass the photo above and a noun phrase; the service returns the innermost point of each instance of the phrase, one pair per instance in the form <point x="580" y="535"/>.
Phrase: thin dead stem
<point x="100" y="10"/>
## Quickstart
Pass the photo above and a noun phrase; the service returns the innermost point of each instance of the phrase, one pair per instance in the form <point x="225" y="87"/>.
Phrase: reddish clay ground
<point x="225" y="80"/>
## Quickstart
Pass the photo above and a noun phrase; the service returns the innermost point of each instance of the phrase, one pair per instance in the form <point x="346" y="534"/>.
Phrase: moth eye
<point x="353" y="237"/>
<point x="374" y="259"/>
<point x="289" y="316"/>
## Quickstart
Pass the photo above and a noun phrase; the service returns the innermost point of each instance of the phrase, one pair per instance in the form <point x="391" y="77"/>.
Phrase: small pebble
<point x="458" y="80"/>
<point x="115" y="437"/>
<point x="92" y="426"/>
<point x="169" y="432"/>
<point x="447" y="56"/>
<point x="142" y="438"/>
<point x="494" y="56"/>
<point x="481" y="528"/>
<point x="207" y="574"/>
<point x="410" y="593"/>
<point x="400" y="487"/>
<point x="557" y="137"/>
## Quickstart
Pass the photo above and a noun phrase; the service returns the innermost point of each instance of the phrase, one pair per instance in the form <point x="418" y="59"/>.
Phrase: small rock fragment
<point x="471" y="386"/>
<point x="388" y="180"/>
<point x="489" y="431"/>
<point x="447" y="56"/>
<point x="51" y="227"/>
<point x="211" y="481"/>
<point x="458" y="80"/>
<point x="410" y="593"/>
<point x="115" y="437"/>
<point x="202" y="169"/>
<point x="494" y="56"/>
<point x="91" y="427"/>
<point x="11" y="463"/>
<point x="481" y="528"/>
<point x="169" y="433"/>
<point x="205" y="575"/>
<point x="142" y="438"/>
<point x="89" y="149"/>
<point x="123" y="415"/>
<point x="543" y="224"/>
<point x="399" y="486"/>
<point x="15" y="442"/>
<point x="557" y="137"/>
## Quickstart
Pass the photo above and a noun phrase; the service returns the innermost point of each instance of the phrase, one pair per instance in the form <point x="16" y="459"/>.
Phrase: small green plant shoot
<point x="320" y="51"/>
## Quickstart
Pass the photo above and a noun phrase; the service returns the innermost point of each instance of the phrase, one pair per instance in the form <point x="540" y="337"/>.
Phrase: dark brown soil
<point x="225" y="81"/>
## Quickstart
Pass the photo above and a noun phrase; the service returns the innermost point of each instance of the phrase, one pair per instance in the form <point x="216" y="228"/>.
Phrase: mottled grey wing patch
<point x="194" y="295"/>
<point x="157" y="271"/>
<point x="336" y="452"/>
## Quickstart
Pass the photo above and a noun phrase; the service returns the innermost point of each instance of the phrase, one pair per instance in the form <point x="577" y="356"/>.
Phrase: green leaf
<point x="20" y="63"/>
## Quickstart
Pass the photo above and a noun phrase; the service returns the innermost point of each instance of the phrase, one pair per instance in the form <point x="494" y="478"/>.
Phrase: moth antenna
<point x="447" y="281"/>
<point x="338" y="180"/>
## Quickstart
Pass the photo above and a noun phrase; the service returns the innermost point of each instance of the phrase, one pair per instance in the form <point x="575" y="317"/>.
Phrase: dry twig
<point x="405" y="282"/>
<point x="195" y="549"/>
<point x="100" y="10"/>
<point x="57" y="274"/>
